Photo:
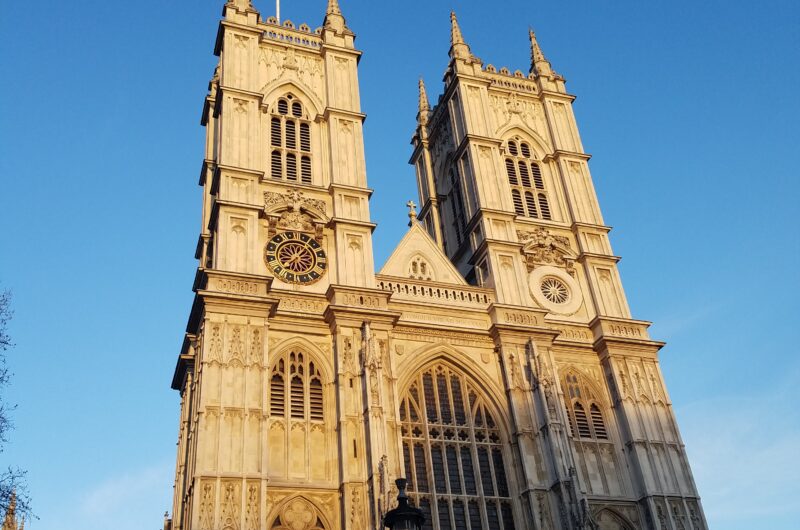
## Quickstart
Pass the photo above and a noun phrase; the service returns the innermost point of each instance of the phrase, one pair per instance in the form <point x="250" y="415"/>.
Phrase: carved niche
<point x="540" y="247"/>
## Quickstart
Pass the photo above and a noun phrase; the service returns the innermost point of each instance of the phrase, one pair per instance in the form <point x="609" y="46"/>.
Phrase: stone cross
<point x="412" y="212"/>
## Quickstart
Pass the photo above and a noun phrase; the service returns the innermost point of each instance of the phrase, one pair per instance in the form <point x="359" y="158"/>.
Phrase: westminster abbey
<point x="492" y="361"/>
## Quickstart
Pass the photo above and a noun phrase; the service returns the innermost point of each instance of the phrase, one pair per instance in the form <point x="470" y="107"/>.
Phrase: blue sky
<point x="689" y="109"/>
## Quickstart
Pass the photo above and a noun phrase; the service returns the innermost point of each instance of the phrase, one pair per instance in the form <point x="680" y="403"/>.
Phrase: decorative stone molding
<point x="573" y="333"/>
<point x="232" y="283"/>
<point x="302" y="305"/>
<point x="357" y="297"/>
<point x="620" y="328"/>
<point x="294" y="211"/>
<point x="540" y="247"/>
<point x="447" y="320"/>
<point x="437" y="335"/>
<point x="408" y="289"/>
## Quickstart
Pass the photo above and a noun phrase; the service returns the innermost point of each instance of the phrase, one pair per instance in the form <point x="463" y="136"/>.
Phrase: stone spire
<point x="333" y="8"/>
<point x="333" y="17"/>
<point x="539" y="64"/>
<point x="424" y="104"/>
<point x="458" y="48"/>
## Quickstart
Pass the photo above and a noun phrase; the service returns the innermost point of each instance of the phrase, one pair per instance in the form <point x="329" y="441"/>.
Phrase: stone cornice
<point x="353" y="305"/>
<point x="353" y="189"/>
<point x="326" y="114"/>
<point x="240" y="91"/>
<point x="558" y="154"/>
<point x="237" y="169"/>
<point x="236" y="292"/>
<point x="326" y="47"/>
<point x="588" y="226"/>
<point x="526" y="222"/>
<point x="623" y="335"/>
<point x="592" y="256"/>
<point x="557" y="95"/>
<point x="519" y="323"/>
<point x="354" y="222"/>
<point x="234" y="204"/>
<point x="208" y="164"/>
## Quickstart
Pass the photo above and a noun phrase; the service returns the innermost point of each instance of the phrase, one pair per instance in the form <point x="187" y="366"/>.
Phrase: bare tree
<point x="13" y="488"/>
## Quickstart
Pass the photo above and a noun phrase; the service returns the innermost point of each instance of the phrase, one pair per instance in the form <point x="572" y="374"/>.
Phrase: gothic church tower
<point x="492" y="361"/>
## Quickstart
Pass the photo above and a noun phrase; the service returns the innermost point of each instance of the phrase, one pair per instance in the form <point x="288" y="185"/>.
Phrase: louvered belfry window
<point x="453" y="453"/>
<point x="295" y="388"/>
<point x="456" y="198"/>
<point x="527" y="184"/>
<point x="290" y="142"/>
<point x="585" y="415"/>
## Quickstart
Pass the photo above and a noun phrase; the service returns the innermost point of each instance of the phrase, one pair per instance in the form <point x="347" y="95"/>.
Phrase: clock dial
<point x="296" y="257"/>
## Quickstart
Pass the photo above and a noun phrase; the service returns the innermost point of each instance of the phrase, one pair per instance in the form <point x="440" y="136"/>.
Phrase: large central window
<point x="290" y="141"/>
<point x="454" y="454"/>
<point x="526" y="181"/>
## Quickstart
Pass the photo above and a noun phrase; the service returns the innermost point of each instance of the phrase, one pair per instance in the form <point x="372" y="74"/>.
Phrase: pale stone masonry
<point x="493" y="361"/>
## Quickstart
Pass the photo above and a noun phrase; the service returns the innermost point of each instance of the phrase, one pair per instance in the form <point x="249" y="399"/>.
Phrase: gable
<point x="417" y="256"/>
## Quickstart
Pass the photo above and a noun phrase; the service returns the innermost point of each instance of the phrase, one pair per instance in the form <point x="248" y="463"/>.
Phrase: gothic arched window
<point x="456" y="198"/>
<point x="583" y="409"/>
<point x="453" y="453"/>
<point x="295" y="388"/>
<point x="290" y="141"/>
<point x="525" y="179"/>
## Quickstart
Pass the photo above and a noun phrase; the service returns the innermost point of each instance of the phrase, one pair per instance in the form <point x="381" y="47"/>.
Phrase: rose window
<point x="554" y="290"/>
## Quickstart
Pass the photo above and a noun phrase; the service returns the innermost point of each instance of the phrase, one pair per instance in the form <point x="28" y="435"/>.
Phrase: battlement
<point x="287" y="32"/>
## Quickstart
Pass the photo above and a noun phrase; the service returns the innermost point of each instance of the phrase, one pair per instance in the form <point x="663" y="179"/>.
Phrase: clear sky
<point x="690" y="110"/>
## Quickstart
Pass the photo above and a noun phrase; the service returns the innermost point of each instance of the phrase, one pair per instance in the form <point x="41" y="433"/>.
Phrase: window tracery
<point x="584" y="411"/>
<point x="453" y="454"/>
<point x="296" y="388"/>
<point x="290" y="141"/>
<point x="528" y="192"/>
<point x="420" y="269"/>
<point x="456" y="199"/>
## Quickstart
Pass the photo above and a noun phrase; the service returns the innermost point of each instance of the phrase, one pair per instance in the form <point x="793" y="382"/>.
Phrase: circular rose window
<point x="554" y="290"/>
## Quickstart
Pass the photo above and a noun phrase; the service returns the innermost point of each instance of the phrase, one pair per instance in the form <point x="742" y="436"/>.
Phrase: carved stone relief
<point x="252" y="512"/>
<point x="305" y="68"/>
<point x="231" y="505"/>
<point x="215" y="344"/>
<point x="540" y="247"/>
<point x="236" y="346"/>
<point x="356" y="509"/>
<point x="256" y="346"/>
<point x="545" y="517"/>
<point x="530" y="112"/>
<point x="207" y="490"/>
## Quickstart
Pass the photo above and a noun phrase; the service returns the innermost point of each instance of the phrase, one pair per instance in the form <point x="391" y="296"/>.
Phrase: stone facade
<point x="493" y="360"/>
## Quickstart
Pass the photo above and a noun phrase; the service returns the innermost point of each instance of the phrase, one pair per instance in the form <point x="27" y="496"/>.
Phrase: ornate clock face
<point x="295" y="257"/>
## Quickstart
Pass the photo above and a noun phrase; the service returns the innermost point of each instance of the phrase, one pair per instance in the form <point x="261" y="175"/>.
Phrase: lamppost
<point x="405" y="516"/>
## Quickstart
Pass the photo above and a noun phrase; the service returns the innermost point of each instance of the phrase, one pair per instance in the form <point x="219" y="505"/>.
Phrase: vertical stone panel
<point x="297" y="451"/>
<point x="252" y="448"/>
<point x="277" y="449"/>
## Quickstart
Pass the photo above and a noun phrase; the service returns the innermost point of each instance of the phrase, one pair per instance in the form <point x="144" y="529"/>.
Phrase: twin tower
<point x="493" y="361"/>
